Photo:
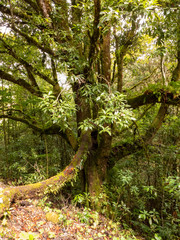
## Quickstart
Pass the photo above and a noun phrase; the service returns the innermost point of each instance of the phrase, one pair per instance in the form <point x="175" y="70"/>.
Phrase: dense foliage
<point x="93" y="87"/>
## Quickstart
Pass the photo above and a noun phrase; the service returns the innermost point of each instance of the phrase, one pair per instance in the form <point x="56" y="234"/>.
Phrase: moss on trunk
<point x="96" y="164"/>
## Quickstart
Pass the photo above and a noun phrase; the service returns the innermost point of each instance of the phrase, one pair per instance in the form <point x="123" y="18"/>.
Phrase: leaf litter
<point x="27" y="220"/>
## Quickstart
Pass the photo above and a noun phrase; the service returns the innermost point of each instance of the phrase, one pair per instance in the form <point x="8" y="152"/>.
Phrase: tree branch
<point x="33" y="42"/>
<point x="8" y="195"/>
<point x="68" y="135"/>
<point x="149" y="97"/>
<point x="141" y="81"/>
<point x="32" y="78"/>
<point x="20" y="119"/>
<point x="21" y="82"/>
<point x="156" y="124"/>
<point x="32" y="4"/>
<point x="16" y="12"/>
<point x="163" y="97"/>
<point x="127" y="149"/>
<point x="26" y="64"/>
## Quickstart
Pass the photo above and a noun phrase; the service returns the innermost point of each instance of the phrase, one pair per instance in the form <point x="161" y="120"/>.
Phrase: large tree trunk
<point x="10" y="194"/>
<point x="96" y="165"/>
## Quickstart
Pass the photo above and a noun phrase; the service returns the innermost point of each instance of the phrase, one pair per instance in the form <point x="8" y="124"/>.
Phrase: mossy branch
<point x="126" y="149"/>
<point x="150" y="97"/>
<point x="11" y="194"/>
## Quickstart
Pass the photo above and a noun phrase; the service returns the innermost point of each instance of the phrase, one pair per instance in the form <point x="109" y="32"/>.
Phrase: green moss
<point x="52" y="217"/>
<point x="52" y="185"/>
<point x="6" y="197"/>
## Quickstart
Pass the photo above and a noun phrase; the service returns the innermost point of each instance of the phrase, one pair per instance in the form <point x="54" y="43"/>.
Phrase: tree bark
<point x="96" y="164"/>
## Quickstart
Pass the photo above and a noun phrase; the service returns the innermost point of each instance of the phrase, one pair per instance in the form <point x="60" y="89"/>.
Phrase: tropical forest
<point x="90" y="119"/>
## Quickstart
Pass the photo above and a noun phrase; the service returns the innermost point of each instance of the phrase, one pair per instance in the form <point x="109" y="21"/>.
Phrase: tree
<point x="89" y="42"/>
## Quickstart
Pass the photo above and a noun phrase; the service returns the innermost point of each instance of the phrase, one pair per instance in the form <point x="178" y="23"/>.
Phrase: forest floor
<point x="38" y="220"/>
<point x="28" y="220"/>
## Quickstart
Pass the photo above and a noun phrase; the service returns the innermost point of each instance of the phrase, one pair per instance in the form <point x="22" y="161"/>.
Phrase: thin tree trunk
<point x="5" y="136"/>
<point x="47" y="156"/>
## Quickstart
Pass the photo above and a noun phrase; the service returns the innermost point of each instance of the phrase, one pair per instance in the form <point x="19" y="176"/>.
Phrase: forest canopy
<point x="95" y="83"/>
